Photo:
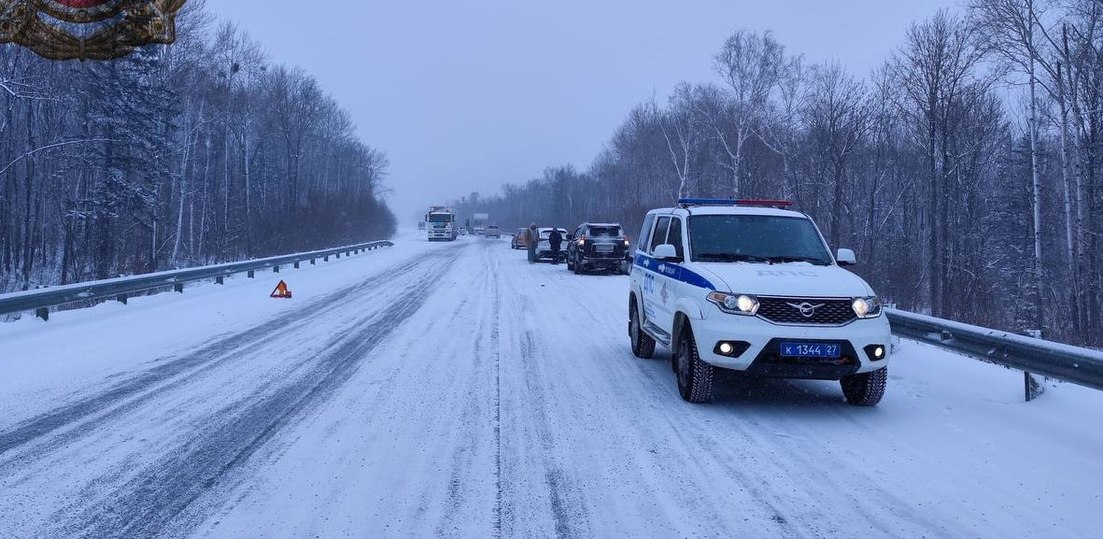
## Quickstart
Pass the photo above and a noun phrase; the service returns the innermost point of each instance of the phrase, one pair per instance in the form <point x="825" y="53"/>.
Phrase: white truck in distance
<point x="479" y="223"/>
<point x="441" y="222"/>
<point x="751" y="287"/>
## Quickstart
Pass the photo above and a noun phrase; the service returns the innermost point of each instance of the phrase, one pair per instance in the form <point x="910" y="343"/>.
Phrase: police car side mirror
<point x="846" y="257"/>
<point x="665" y="251"/>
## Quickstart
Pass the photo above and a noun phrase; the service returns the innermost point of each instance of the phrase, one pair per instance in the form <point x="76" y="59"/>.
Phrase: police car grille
<point x="831" y="312"/>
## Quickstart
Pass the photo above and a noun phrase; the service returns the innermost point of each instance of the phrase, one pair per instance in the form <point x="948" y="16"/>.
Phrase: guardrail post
<point x="275" y="269"/>
<point x="43" y="313"/>
<point x="313" y="262"/>
<point x="220" y="280"/>
<point x="1031" y="387"/>
<point x="325" y="258"/>
<point x="296" y="264"/>
<point x="252" y="274"/>
<point x="178" y="287"/>
<point x="338" y="256"/>
<point x="121" y="298"/>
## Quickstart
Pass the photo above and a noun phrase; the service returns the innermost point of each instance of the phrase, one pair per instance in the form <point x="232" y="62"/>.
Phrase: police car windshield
<point x="764" y="239"/>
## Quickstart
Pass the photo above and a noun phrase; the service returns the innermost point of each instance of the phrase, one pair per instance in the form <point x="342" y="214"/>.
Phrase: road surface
<point x="453" y="390"/>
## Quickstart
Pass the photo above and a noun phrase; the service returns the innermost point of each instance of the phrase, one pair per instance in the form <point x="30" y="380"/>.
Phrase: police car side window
<point x="675" y="237"/>
<point x="660" y="233"/>
<point x="645" y="232"/>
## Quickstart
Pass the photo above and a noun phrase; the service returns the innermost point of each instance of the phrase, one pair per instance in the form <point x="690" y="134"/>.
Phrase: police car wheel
<point x="865" y="389"/>
<point x="643" y="346"/>
<point x="694" y="376"/>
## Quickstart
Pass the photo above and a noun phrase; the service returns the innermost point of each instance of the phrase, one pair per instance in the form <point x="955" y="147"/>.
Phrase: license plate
<point x="604" y="248"/>
<point x="793" y="349"/>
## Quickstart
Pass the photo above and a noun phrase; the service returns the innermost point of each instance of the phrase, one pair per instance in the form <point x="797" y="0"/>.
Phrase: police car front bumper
<point x="756" y="346"/>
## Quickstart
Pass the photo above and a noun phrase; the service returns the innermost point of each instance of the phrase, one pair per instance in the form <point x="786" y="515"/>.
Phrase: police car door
<point x="658" y="285"/>
<point x="674" y="271"/>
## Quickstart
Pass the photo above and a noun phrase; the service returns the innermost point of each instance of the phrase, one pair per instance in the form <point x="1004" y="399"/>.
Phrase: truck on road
<point x="441" y="223"/>
<point x="479" y="223"/>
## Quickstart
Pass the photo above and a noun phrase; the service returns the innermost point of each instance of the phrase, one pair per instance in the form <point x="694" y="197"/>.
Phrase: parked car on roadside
<point x="543" y="248"/>
<point x="518" y="241"/>
<point x="493" y="231"/>
<point x="597" y="246"/>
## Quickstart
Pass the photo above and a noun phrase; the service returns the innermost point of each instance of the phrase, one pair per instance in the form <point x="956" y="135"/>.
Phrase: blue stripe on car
<point x="673" y="271"/>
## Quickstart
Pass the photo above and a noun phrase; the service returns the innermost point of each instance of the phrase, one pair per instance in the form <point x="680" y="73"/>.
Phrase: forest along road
<point x="454" y="390"/>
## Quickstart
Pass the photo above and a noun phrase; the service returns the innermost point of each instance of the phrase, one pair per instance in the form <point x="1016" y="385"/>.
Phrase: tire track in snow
<point x="435" y="457"/>
<point x="741" y="463"/>
<point x="480" y="405"/>
<point x="463" y="456"/>
<point x="737" y="456"/>
<point x="569" y="515"/>
<point x="673" y="453"/>
<point x="496" y="346"/>
<point x="900" y="520"/>
<point x="137" y="390"/>
<point x="497" y="411"/>
<point x="155" y="498"/>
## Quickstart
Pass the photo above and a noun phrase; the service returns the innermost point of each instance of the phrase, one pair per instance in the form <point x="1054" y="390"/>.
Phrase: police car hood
<point x="791" y="280"/>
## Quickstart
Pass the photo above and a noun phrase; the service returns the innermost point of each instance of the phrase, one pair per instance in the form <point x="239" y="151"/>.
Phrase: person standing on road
<point x="532" y="237"/>
<point x="555" y="240"/>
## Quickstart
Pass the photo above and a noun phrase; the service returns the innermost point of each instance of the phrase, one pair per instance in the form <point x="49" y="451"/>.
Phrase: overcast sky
<point x="467" y="96"/>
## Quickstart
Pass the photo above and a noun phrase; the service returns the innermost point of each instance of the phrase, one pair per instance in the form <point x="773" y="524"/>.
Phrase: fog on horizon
<point x="467" y="97"/>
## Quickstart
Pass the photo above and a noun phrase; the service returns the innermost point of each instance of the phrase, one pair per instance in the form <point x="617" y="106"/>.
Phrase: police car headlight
<point x="869" y="307"/>
<point x="742" y="304"/>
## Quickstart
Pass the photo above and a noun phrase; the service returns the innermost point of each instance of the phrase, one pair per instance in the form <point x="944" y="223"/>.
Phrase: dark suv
<point x="595" y="246"/>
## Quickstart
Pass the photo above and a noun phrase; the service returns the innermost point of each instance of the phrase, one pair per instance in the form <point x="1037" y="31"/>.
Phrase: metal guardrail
<point x="40" y="301"/>
<point x="1080" y="366"/>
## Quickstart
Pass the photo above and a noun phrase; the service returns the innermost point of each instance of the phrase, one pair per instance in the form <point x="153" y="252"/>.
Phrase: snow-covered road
<point x="455" y="390"/>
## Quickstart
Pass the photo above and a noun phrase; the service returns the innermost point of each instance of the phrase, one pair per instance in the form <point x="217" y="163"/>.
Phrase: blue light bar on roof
<point x="706" y="202"/>
<point x="731" y="202"/>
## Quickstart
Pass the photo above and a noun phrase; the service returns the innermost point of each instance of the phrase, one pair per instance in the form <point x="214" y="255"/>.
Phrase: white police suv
<point x="752" y="286"/>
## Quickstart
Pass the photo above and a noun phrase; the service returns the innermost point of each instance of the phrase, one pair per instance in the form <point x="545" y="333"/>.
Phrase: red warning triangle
<point x="281" y="291"/>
